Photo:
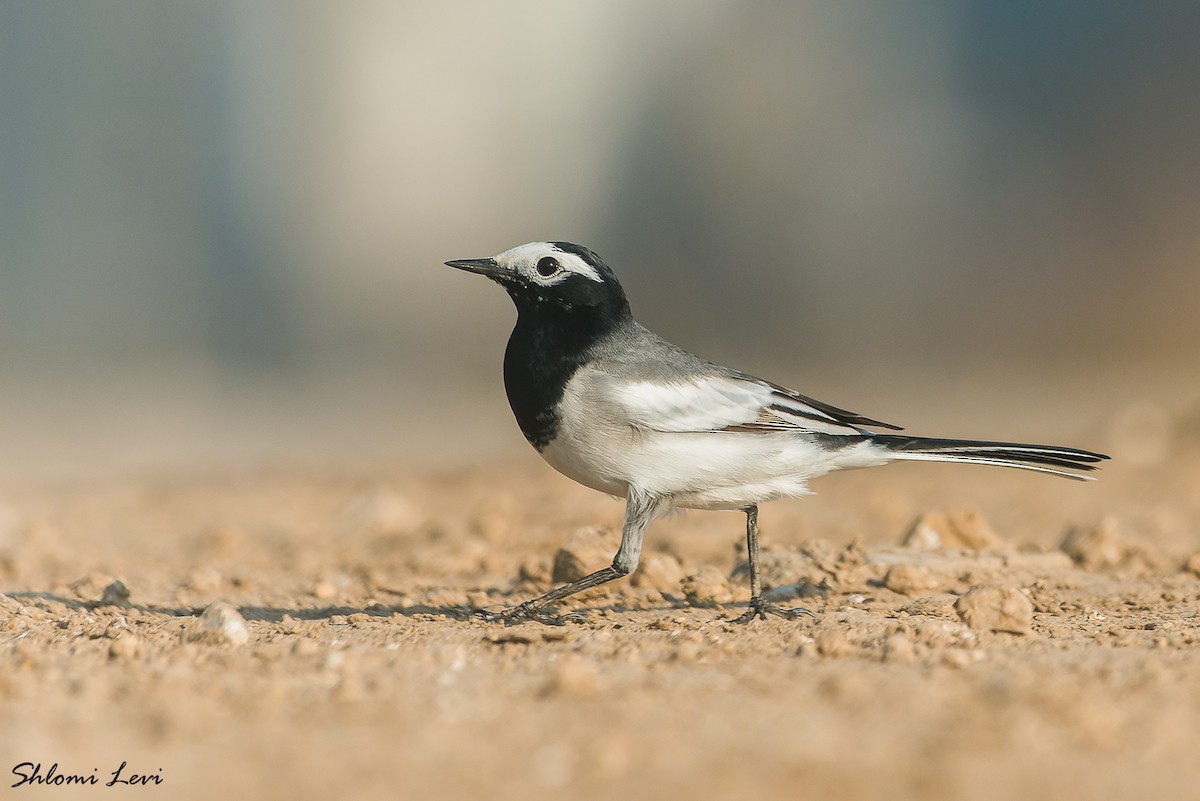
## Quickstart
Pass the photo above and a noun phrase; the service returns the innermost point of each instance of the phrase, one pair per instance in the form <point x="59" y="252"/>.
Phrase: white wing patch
<point x="708" y="404"/>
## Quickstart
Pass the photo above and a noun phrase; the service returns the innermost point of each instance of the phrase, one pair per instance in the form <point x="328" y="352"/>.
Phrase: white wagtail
<point x="618" y="409"/>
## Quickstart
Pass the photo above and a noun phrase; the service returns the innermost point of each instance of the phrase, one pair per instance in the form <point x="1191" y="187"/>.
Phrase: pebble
<point x="585" y="551"/>
<point x="962" y="528"/>
<point x="1096" y="548"/>
<point x="220" y="624"/>
<point x="987" y="608"/>
<point x="115" y="594"/>
<point x="910" y="580"/>
<point x="661" y="572"/>
<point x="707" y="587"/>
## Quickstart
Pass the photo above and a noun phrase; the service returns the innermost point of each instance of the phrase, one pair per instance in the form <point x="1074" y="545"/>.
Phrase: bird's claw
<point x="523" y="613"/>
<point x="758" y="609"/>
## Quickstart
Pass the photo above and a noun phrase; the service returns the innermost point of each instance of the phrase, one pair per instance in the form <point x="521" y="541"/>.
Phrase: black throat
<point x="548" y="344"/>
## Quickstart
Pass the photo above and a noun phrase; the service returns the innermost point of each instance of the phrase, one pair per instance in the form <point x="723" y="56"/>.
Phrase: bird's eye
<point x="547" y="266"/>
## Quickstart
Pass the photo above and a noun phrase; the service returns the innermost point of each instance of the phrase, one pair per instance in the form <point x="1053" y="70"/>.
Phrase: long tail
<point x="1041" y="458"/>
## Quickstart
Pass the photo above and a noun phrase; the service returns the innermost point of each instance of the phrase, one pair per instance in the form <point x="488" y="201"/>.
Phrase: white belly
<point x="718" y="470"/>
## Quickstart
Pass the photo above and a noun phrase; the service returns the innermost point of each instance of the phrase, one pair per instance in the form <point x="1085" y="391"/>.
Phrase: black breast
<point x="538" y="363"/>
<point x="554" y="335"/>
<point x="548" y="344"/>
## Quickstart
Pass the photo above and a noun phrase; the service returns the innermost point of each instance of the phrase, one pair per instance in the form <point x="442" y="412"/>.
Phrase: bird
<point x="616" y="408"/>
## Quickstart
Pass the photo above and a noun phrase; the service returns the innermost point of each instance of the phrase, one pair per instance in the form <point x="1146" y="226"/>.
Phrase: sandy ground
<point x="979" y="634"/>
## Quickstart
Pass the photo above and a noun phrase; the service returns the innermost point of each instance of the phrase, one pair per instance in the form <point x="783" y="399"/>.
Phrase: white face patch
<point x="525" y="260"/>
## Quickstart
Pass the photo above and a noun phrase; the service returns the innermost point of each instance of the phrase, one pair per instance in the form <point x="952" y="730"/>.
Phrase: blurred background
<point x="222" y="224"/>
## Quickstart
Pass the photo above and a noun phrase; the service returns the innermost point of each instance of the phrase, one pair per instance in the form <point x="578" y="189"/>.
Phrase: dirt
<point x="301" y="633"/>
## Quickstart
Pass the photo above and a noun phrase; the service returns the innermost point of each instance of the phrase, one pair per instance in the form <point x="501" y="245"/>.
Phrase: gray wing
<point x="714" y="403"/>
<point x="650" y="384"/>
<point x="788" y="405"/>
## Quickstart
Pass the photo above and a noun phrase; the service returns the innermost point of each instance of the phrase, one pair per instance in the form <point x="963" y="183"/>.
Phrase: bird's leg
<point x="639" y="511"/>
<point x="757" y="608"/>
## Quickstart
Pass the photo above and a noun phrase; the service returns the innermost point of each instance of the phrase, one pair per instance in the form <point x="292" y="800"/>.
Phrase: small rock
<point x="987" y="608"/>
<point x="586" y="551"/>
<point x="1096" y="548"/>
<point x="661" y="572"/>
<point x="910" y="580"/>
<point x="1193" y="565"/>
<point x="220" y="624"/>
<point x="324" y="590"/>
<point x="963" y="528"/>
<point x="707" y="587"/>
<point x="115" y="594"/>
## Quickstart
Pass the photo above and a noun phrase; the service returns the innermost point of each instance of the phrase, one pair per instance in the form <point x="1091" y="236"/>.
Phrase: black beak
<point x="487" y="267"/>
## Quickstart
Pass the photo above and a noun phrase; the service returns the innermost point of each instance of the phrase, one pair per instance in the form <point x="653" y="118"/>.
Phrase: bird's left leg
<point x="639" y="511"/>
<point x="757" y="608"/>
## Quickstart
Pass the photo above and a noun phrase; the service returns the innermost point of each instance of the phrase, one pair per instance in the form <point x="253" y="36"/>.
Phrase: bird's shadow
<point x="273" y="614"/>
<point x="263" y="614"/>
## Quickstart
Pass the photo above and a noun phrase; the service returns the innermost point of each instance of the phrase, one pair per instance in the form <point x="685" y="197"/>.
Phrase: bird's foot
<point x="758" y="609"/>
<point x="526" y="612"/>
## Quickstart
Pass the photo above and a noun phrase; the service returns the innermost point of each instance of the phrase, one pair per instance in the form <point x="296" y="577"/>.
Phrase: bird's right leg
<point x="639" y="511"/>
<point x="758" y="608"/>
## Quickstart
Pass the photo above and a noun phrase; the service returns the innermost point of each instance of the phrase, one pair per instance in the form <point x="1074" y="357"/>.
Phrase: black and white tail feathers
<point x="1041" y="458"/>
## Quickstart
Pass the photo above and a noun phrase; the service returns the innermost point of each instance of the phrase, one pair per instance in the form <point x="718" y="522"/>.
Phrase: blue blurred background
<point x="222" y="223"/>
